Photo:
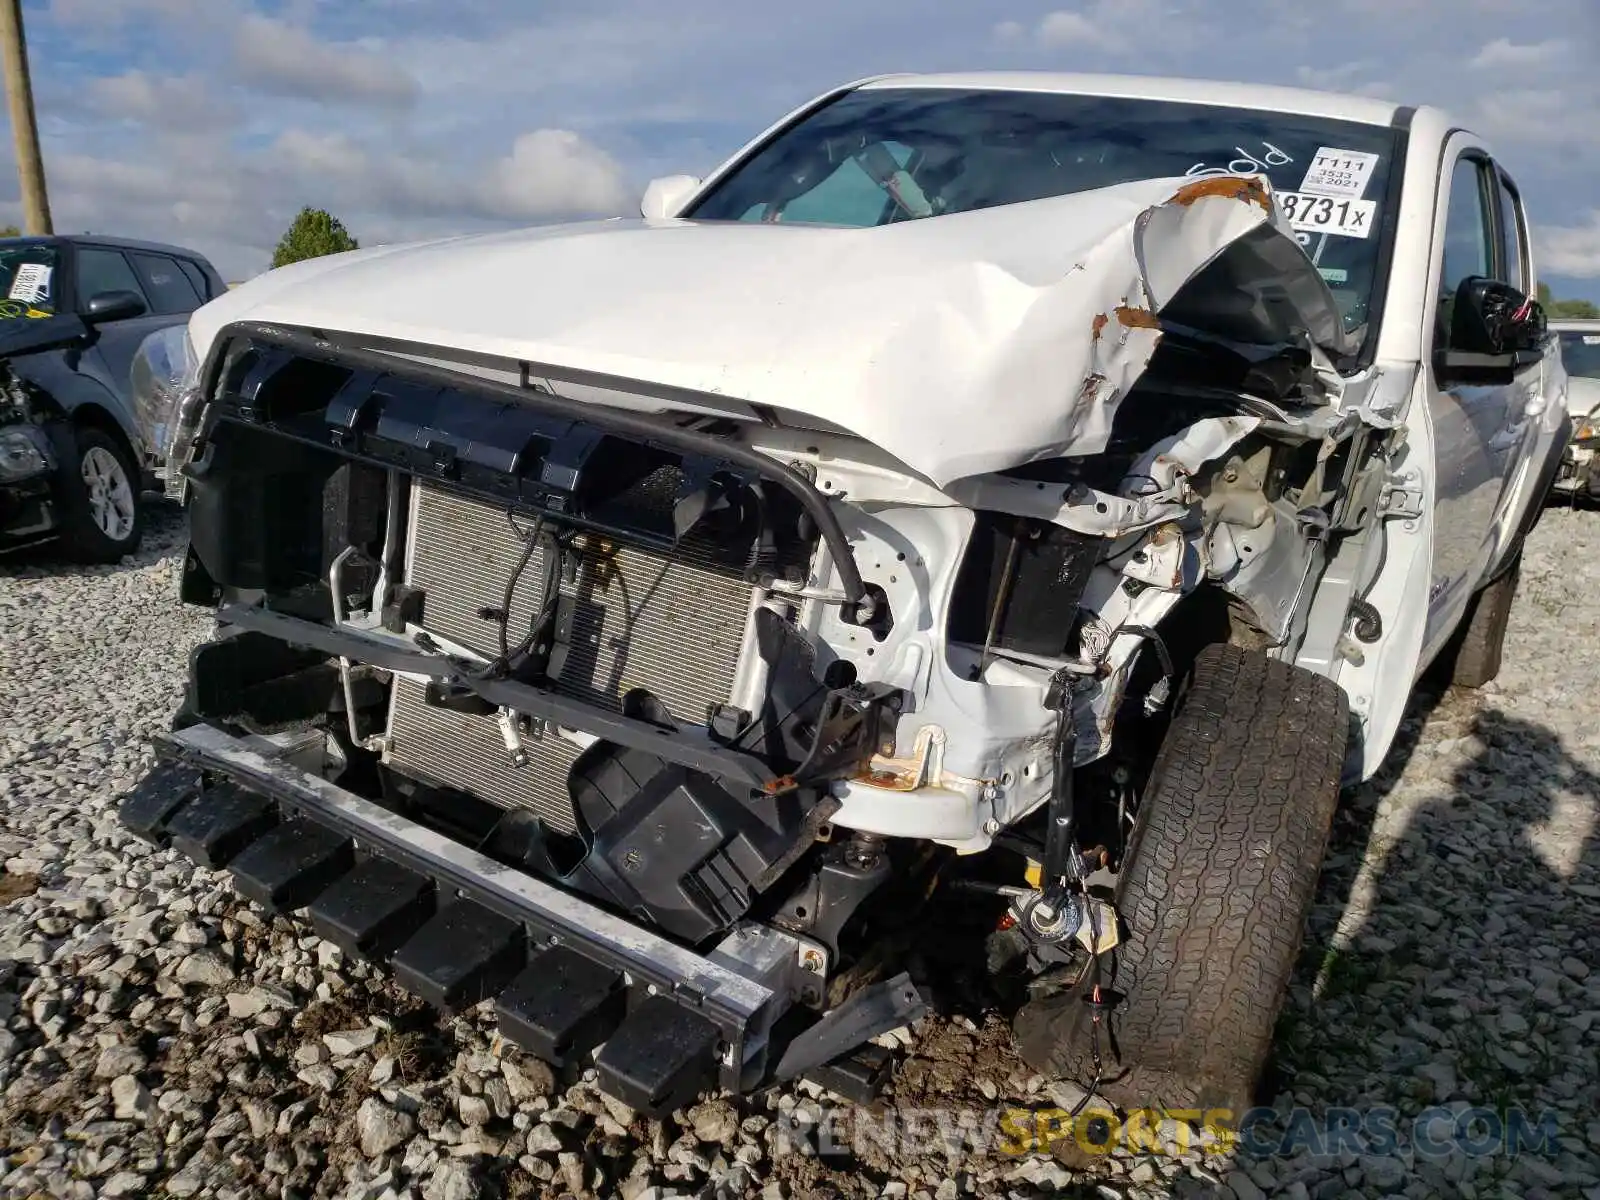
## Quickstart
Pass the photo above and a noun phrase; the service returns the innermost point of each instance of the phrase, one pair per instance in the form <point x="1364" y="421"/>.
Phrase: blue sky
<point x="210" y="122"/>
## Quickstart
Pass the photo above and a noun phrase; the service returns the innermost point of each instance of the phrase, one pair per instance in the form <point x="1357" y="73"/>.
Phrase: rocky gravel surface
<point x="158" y="1037"/>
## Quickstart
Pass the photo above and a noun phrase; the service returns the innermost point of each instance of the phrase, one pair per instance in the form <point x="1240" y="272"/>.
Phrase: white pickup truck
<point x="1037" y="492"/>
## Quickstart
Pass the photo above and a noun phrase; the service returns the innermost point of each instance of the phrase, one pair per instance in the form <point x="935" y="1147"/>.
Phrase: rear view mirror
<point x="665" y="197"/>
<point x="1495" y="330"/>
<point x="114" y="306"/>
<point x="1494" y="318"/>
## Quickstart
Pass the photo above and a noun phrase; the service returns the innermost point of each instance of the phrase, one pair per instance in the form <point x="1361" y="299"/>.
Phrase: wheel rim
<point x="110" y="493"/>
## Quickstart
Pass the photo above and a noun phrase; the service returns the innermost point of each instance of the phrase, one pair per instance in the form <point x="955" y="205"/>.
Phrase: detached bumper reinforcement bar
<point x="687" y="746"/>
<point x="458" y="927"/>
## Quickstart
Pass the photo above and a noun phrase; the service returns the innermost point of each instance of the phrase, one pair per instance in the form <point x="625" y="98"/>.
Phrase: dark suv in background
<point x="73" y="311"/>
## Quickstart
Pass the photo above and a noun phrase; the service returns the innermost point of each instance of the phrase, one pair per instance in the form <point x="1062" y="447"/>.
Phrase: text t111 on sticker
<point x="1342" y="174"/>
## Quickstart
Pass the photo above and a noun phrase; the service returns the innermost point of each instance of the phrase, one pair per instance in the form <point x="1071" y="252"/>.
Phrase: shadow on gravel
<point x="165" y="530"/>
<point x="1465" y="938"/>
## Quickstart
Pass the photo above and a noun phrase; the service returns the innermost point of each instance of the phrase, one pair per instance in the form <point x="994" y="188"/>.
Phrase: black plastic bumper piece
<point x="711" y="1013"/>
<point x="464" y="955"/>
<point x="147" y="809"/>
<point x="373" y="910"/>
<point x="858" y="1077"/>
<point x="659" y="1058"/>
<point x="562" y="1006"/>
<point x="229" y="820"/>
<point x="289" y="867"/>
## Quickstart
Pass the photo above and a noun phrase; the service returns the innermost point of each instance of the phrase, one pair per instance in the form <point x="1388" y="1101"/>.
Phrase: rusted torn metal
<point x="1248" y="189"/>
<point x="1136" y="318"/>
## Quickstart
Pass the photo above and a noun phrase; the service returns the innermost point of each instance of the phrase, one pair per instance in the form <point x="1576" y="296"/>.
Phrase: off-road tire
<point x="1214" y="891"/>
<point x="81" y="533"/>
<point x="1476" y="649"/>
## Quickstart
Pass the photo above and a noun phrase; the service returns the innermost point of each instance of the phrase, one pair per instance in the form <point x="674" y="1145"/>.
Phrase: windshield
<point x="1580" y="353"/>
<point x="879" y="155"/>
<point x="27" y="281"/>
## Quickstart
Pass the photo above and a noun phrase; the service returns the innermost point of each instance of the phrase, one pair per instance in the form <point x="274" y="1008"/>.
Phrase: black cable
<point x="758" y="543"/>
<point x="530" y="544"/>
<point x="1154" y="638"/>
<point x="501" y="664"/>
<point x="549" y="593"/>
<point x="1097" y="1004"/>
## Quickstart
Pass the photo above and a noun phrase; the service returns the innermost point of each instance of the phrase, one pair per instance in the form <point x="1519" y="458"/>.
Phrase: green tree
<point x="1580" y="309"/>
<point x="9" y="231"/>
<point x="313" y="233"/>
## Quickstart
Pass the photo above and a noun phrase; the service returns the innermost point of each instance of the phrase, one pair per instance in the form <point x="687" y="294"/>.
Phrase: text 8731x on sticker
<point x="1342" y="174"/>
<point x="1324" y="214"/>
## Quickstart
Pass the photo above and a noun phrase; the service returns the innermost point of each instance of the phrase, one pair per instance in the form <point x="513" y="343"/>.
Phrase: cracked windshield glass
<point x="882" y="155"/>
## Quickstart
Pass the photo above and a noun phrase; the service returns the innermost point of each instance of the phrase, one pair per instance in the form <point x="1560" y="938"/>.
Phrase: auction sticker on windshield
<point x="1342" y="174"/>
<point x="1324" y="214"/>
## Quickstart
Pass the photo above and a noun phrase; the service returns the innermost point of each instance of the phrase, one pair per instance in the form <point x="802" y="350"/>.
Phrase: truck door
<point x="1478" y="429"/>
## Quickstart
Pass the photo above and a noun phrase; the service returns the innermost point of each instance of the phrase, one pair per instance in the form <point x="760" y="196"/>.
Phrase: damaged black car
<point x="73" y="312"/>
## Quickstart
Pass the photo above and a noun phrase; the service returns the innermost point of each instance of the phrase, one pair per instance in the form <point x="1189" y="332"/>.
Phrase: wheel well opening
<point x="92" y="416"/>
<point x="1208" y="616"/>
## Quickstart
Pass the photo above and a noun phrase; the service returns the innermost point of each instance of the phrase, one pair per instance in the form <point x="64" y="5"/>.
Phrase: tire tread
<point x="1216" y="887"/>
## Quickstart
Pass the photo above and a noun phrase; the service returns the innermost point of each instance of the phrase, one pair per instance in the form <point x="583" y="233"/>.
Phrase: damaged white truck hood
<point x="961" y="344"/>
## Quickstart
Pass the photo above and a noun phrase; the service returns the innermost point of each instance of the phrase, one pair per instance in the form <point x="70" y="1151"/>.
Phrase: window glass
<point x="1580" y="352"/>
<point x="1468" y="247"/>
<point x="1466" y="228"/>
<point x="102" y="270"/>
<point x="1511" y="235"/>
<point x="168" y="287"/>
<point x="880" y="155"/>
<point x="197" y="277"/>
<point x="850" y="194"/>
<point x="27" y="281"/>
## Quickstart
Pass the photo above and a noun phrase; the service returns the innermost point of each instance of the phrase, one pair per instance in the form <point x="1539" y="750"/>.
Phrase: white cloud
<point x="1351" y="78"/>
<point x="1502" y="53"/>
<point x="96" y="13"/>
<point x="1570" y="250"/>
<point x="1065" y="28"/>
<point x="164" y="101"/>
<point x="286" y="59"/>
<point x="554" y="171"/>
<point x="1103" y="26"/>
<point x="548" y="174"/>
<point x="1554" y="121"/>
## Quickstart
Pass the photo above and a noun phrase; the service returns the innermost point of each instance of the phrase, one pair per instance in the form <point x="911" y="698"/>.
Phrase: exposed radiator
<point x="671" y="624"/>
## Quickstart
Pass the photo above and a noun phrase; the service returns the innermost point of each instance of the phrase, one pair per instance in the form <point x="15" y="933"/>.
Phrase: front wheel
<point x="101" y="498"/>
<point x="1214" y="891"/>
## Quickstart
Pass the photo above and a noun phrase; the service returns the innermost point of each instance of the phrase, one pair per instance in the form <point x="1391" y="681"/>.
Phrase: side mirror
<point x="667" y="195"/>
<point x="115" y="306"/>
<point x="1495" y="330"/>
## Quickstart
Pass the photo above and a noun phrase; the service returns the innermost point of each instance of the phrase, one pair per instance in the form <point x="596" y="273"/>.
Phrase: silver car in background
<point x="1580" y="353"/>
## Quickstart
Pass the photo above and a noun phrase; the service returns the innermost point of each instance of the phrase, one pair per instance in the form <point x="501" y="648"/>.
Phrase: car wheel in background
<point x="100" y="493"/>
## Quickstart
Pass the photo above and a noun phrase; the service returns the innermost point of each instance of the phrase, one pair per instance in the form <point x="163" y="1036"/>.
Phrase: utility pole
<point x="24" y="127"/>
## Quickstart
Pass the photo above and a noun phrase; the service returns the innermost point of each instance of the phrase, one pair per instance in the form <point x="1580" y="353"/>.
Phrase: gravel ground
<point x="157" y="1037"/>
